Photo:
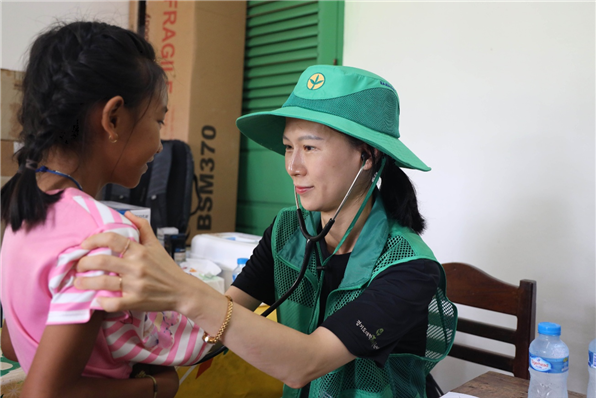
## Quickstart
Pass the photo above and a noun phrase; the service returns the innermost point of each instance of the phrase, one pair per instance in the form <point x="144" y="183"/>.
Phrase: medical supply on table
<point x="205" y="270"/>
<point x="592" y="369"/>
<point x="549" y="363"/>
<point x="241" y="263"/>
<point x="175" y="245"/>
<point x="224" y="249"/>
<point x="161" y="232"/>
<point x="143" y="212"/>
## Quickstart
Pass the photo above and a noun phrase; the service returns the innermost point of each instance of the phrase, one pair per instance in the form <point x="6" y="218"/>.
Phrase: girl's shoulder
<point x="85" y="206"/>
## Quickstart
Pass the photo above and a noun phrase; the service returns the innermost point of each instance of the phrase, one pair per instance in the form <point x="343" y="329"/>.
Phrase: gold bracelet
<point x="143" y="375"/>
<point x="224" y="325"/>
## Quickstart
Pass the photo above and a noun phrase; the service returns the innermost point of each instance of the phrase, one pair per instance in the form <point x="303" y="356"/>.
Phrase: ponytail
<point x="399" y="197"/>
<point x="397" y="192"/>
<point x="23" y="200"/>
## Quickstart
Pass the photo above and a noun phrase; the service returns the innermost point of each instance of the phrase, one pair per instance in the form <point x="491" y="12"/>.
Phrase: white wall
<point x="23" y="20"/>
<point x="499" y="99"/>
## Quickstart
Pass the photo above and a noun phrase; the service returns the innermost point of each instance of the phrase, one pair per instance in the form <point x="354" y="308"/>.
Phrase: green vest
<point x="383" y="243"/>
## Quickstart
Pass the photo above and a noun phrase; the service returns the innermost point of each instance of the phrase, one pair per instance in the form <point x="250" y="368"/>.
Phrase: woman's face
<point x="143" y="142"/>
<point x="322" y="163"/>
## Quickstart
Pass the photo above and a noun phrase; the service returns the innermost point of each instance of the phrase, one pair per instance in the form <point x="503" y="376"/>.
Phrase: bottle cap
<point x="549" y="329"/>
<point x="242" y="261"/>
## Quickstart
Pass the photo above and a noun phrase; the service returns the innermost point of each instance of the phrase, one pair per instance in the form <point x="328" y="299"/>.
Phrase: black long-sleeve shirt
<point x="393" y="308"/>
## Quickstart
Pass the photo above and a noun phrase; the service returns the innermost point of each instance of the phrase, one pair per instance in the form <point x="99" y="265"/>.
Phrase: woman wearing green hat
<point x="369" y="318"/>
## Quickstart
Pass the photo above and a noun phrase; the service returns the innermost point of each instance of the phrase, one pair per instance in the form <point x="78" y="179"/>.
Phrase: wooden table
<point x="498" y="385"/>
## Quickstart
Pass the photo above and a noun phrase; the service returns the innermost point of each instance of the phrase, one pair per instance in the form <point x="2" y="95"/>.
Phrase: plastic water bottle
<point x="549" y="363"/>
<point x="241" y="263"/>
<point x="592" y="369"/>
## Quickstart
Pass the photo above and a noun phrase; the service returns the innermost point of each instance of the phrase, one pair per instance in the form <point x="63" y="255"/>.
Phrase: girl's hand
<point x="165" y="377"/>
<point x="149" y="278"/>
<point x="167" y="382"/>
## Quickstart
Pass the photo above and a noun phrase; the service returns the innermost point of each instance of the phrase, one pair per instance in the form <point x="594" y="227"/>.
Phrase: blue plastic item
<point x="241" y="263"/>
<point x="549" y="363"/>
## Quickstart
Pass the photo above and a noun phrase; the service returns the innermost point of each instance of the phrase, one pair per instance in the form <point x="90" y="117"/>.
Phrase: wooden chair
<point x="470" y="286"/>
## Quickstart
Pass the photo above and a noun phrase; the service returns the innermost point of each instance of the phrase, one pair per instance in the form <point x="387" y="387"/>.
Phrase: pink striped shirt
<point x="38" y="271"/>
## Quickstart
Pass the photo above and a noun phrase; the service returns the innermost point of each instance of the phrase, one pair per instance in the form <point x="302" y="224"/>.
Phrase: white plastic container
<point x="549" y="363"/>
<point x="592" y="370"/>
<point x="224" y="249"/>
<point x="205" y="270"/>
<point x="202" y="267"/>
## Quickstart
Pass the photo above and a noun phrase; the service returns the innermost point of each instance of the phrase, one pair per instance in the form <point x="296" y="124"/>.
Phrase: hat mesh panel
<point x="375" y="108"/>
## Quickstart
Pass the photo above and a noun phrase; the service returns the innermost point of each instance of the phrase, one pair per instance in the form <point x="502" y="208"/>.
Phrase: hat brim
<point x="266" y="129"/>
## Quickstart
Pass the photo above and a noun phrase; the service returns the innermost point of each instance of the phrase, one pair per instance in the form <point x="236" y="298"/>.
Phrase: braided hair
<point x="71" y="68"/>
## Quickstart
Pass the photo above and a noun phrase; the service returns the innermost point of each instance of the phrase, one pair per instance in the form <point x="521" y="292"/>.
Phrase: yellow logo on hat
<point x="315" y="81"/>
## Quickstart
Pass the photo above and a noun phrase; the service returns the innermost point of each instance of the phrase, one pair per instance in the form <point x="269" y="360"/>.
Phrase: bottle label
<point x="592" y="359"/>
<point x="179" y="255"/>
<point x="236" y="272"/>
<point x="549" y="365"/>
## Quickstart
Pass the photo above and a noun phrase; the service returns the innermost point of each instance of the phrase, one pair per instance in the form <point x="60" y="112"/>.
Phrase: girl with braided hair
<point x="94" y="99"/>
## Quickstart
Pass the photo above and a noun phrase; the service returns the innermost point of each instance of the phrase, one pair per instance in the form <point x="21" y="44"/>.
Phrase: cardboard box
<point x="10" y="103"/>
<point x="3" y="180"/>
<point x="8" y="164"/>
<point x="200" y="45"/>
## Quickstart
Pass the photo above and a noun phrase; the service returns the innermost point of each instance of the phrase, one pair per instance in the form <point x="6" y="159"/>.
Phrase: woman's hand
<point x="152" y="281"/>
<point x="149" y="278"/>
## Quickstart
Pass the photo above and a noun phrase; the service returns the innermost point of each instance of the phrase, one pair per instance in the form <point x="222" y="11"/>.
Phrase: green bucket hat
<point x="356" y="102"/>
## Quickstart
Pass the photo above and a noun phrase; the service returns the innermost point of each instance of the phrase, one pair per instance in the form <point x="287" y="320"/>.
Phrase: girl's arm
<point x="7" y="349"/>
<point x="60" y="359"/>
<point x="151" y="281"/>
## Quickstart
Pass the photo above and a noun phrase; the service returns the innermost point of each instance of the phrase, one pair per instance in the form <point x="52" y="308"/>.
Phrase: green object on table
<point x="11" y="377"/>
<point x="7" y="366"/>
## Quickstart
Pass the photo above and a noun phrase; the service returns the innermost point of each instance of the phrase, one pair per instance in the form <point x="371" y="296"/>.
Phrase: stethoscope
<point x="311" y="240"/>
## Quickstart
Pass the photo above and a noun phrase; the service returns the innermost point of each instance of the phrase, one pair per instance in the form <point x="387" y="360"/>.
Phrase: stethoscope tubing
<point x="308" y="249"/>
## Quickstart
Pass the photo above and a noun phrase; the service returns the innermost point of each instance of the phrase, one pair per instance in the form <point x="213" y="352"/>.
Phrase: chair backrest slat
<point x="470" y="286"/>
<point x="473" y="287"/>
<point x="487" y="358"/>
<point x="485" y="330"/>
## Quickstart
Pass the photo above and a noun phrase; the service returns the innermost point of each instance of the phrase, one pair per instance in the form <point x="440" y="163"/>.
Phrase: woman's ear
<point x="371" y="156"/>
<point x="112" y="117"/>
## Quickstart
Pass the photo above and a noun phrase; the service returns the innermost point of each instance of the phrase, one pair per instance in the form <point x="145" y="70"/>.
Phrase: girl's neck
<point x="342" y="223"/>
<point x="71" y="166"/>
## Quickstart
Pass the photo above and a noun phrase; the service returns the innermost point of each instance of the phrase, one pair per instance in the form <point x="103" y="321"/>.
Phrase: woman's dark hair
<point x="72" y="67"/>
<point x="397" y="192"/>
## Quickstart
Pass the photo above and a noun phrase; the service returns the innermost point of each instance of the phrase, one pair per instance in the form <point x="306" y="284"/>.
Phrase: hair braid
<point x="71" y="68"/>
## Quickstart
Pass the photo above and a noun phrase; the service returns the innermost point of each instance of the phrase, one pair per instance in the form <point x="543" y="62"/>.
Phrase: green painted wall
<point x="282" y="39"/>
